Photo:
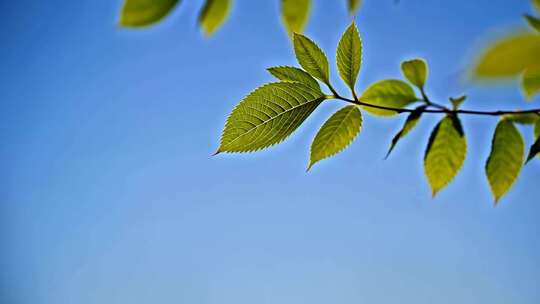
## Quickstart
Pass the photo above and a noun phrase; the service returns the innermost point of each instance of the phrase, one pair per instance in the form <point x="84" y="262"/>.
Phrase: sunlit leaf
<point x="533" y="22"/>
<point x="415" y="71"/>
<point x="523" y="119"/>
<point x="388" y="93"/>
<point x="509" y="57"/>
<point x="531" y="81"/>
<point x="456" y="102"/>
<point x="295" y="14"/>
<point x="506" y="158"/>
<point x="138" y="13"/>
<point x="336" y="133"/>
<point x="349" y="55"/>
<point x="311" y="57"/>
<point x="410" y="123"/>
<point x="445" y="153"/>
<point x="353" y="6"/>
<point x="268" y="115"/>
<point x="213" y="14"/>
<point x="288" y="73"/>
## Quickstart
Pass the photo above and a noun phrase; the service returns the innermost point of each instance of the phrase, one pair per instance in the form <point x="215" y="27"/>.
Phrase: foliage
<point x="214" y="13"/>
<point x="272" y="112"/>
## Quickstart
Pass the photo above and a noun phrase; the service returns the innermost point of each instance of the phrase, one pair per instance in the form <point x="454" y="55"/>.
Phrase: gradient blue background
<point x="109" y="194"/>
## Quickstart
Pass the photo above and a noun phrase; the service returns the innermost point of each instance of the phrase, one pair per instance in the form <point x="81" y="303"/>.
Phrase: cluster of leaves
<point x="272" y="112"/>
<point x="517" y="55"/>
<point x="142" y="13"/>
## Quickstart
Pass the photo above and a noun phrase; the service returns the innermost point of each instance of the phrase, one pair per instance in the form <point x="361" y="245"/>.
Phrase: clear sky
<point x="109" y="194"/>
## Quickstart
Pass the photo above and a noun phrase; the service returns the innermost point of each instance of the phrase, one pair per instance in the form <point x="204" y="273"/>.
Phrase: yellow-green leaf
<point x="138" y="13"/>
<point x="523" y="119"/>
<point x="349" y="55"/>
<point x="268" y="116"/>
<point x="336" y="134"/>
<point x="445" y="153"/>
<point x="295" y="14"/>
<point x="213" y="14"/>
<point x="388" y="93"/>
<point x="410" y="123"/>
<point x="415" y="71"/>
<point x="456" y="102"/>
<point x="353" y="6"/>
<point x="531" y="82"/>
<point x="311" y="57"/>
<point x="536" y="5"/>
<point x="288" y="73"/>
<point x="506" y="158"/>
<point x="533" y="22"/>
<point x="509" y="57"/>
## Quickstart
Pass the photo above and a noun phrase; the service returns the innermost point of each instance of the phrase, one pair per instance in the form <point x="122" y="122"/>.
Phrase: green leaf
<point x="213" y="14"/>
<point x="138" y="13"/>
<point x="288" y="73"/>
<point x="456" y="102"/>
<point x="311" y="57"/>
<point x="536" y="5"/>
<point x="349" y="56"/>
<point x="509" y="57"/>
<point x="353" y="6"/>
<point x="506" y="158"/>
<point x="531" y="82"/>
<point x="294" y="14"/>
<point x="410" y="123"/>
<point x="523" y="119"/>
<point x="336" y="133"/>
<point x="533" y="22"/>
<point x="415" y="71"/>
<point x="388" y="93"/>
<point x="268" y="116"/>
<point x="534" y="150"/>
<point x="445" y="153"/>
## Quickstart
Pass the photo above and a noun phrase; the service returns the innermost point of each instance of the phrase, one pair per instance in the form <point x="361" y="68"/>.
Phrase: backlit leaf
<point x="410" y="123"/>
<point x="138" y="13"/>
<point x="445" y="153"/>
<point x="531" y="81"/>
<point x="506" y="158"/>
<point x="294" y="14"/>
<point x="509" y="57"/>
<point x="349" y="55"/>
<point x="288" y="73"/>
<point x="268" y="115"/>
<point x="336" y="133"/>
<point x="311" y="57"/>
<point x="353" y="6"/>
<point x="523" y="119"/>
<point x="213" y="14"/>
<point x="533" y="22"/>
<point x="456" y="102"/>
<point x="388" y="93"/>
<point x="415" y="71"/>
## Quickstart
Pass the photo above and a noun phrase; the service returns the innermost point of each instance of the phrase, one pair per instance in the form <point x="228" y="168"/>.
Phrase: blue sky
<point x="109" y="193"/>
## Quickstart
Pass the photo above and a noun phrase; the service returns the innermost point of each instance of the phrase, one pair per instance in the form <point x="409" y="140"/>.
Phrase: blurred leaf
<point x="410" y="123"/>
<point x="388" y="93"/>
<point x="311" y="57"/>
<point x="295" y="14"/>
<point x="336" y="134"/>
<point x="523" y="119"/>
<point x="288" y="73"/>
<point x="506" y="158"/>
<point x="531" y="81"/>
<point x="138" y="13"/>
<point x="349" y="56"/>
<point x="445" y="153"/>
<point x="268" y="115"/>
<point x="456" y="102"/>
<point x="415" y="71"/>
<point x="533" y="22"/>
<point x="353" y="6"/>
<point x="537" y="131"/>
<point x="509" y="57"/>
<point x="213" y="14"/>
<point x="536" y="5"/>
